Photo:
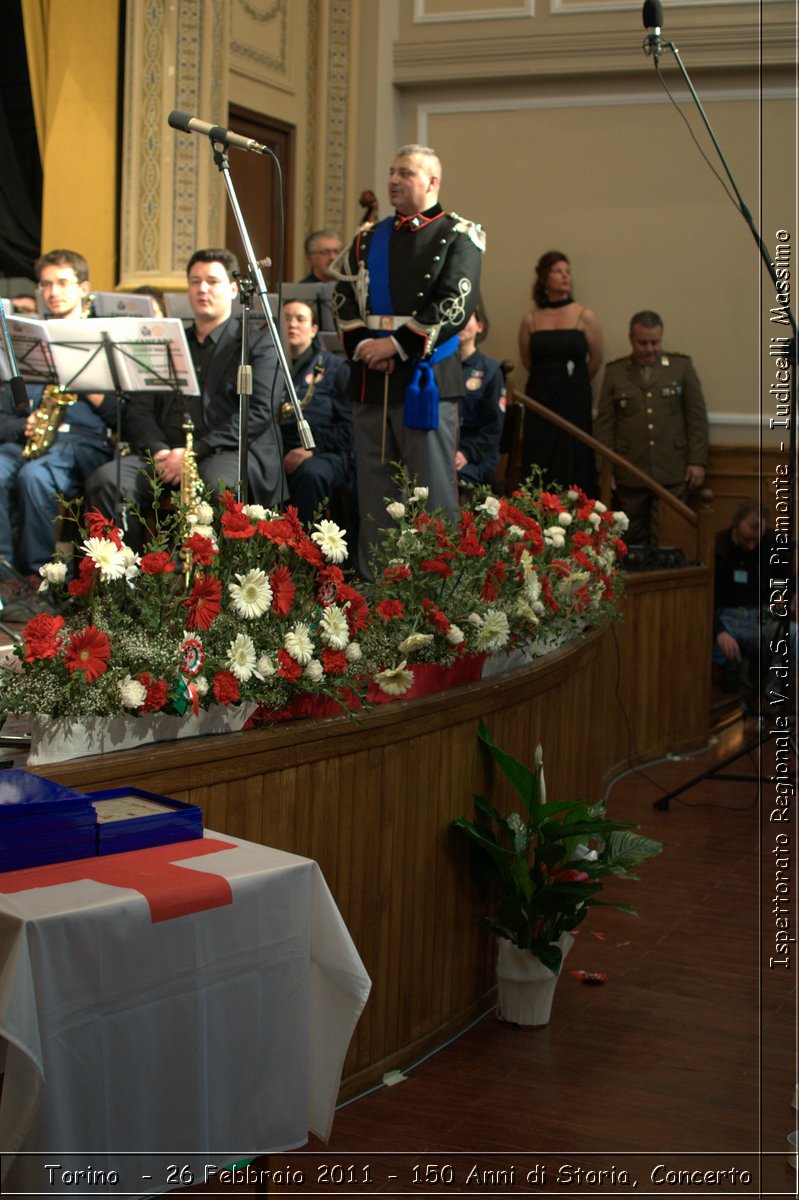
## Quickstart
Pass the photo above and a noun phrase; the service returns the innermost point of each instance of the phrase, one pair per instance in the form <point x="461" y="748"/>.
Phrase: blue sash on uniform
<point x="421" y="397"/>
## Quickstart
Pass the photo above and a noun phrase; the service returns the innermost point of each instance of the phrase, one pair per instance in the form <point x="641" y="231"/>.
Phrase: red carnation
<point x="387" y="610"/>
<point x="334" y="661"/>
<point x="40" y="637"/>
<point x="436" y="566"/>
<point x="437" y="618"/>
<point x="83" y="584"/>
<point x="357" y="609"/>
<point x="226" y="687"/>
<point x="288" y="668"/>
<point x="237" y="524"/>
<point x="88" y="651"/>
<point x="156" y="692"/>
<point x="201" y="548"/>
<point x="203" y="603"/>
<point x="397" y="572"/>
<point x="157" y="563"/>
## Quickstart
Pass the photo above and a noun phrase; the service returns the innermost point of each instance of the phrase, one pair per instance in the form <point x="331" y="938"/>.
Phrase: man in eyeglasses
<point x="321" y="248"/>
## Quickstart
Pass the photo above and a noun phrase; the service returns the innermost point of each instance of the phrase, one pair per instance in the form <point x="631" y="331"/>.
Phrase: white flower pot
<point x="526" y="987"/>
<point x="56" y="739"/>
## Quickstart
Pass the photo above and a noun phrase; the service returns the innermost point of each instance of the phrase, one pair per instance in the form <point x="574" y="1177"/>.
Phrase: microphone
<point x="225" y="137"/>
<point x="653" y="20"/>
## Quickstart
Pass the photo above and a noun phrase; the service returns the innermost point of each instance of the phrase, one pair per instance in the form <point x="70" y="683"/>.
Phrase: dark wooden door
<point x="255" y="178"/>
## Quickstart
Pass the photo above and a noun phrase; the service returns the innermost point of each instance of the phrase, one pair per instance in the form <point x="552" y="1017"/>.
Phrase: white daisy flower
<point x="314" y="671"/>
<point x="265" y="667"/>
<point x="395" y="510"/>
<point x="495" y="630"/>
<point x="565" y="519"/>
<point x="330" y="541"/>
<point x="106" y="556"/>
<point x="333" y="628"/>
<point x="252" y="595"/>
<point x="52" y="572"/>
<point x="454" y="635"/>
<point x="241" y="657"/>
<point x="395" y="681"/>
<point x="352" y="652"/>
<point x="532" y="584"/>
<point x="490" y="505"/>
<point x="414" y="641"/>
<point x="298" y="644"/>
<point x="131" y="692"/>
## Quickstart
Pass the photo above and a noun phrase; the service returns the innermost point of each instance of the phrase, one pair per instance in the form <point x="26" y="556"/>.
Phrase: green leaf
<point x="626" y="850"/>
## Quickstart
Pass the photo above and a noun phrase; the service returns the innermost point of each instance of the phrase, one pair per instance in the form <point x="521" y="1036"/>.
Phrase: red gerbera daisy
<point x="99" y="526"/>
<point x="88" y="651"/>
<point x="203" y="603"/>
<point x="283" y="591"/>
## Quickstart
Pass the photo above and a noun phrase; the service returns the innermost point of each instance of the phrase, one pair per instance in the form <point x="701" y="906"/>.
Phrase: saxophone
<point x="189" y="489"/>
<point x="287" y="409"/>
<point x="52" y="406"/>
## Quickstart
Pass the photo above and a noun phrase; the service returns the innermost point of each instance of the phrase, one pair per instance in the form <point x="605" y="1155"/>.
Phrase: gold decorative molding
<point x="338" y="84"/>
<point x="259" y="41"/>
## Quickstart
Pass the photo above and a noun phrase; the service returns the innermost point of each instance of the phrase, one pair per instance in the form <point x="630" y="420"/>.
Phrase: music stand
<point x="111" y="354"/>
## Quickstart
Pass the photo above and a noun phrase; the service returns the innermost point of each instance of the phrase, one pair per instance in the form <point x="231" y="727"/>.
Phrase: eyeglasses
<point x="47" y="285"/>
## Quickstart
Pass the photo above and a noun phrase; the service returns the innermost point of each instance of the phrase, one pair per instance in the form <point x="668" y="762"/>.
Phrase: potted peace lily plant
<point x="547" y="864"/>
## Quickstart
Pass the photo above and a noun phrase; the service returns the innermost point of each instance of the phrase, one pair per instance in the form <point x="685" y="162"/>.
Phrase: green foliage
<point x="546" y="862"/>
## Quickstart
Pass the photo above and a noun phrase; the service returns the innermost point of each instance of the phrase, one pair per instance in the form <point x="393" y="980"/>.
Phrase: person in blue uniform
<point x="29" y="488"/>
<point x="482" y="410"/>
<point x="320" y="381"/>
<point x="407" y="286"/>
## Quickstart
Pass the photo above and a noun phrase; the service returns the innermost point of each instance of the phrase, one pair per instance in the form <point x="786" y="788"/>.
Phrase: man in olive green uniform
<point x="651" y="410"/>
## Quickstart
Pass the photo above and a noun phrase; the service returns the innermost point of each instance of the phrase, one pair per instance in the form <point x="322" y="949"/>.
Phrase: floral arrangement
<point x="548" y="862"/>
<point x="255" y="609"/>
<point x="245" y="605"/>
<point x="524" y="572"/>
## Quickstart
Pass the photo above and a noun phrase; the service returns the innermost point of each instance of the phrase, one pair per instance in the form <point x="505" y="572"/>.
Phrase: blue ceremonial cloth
<point x="422" y="396"/>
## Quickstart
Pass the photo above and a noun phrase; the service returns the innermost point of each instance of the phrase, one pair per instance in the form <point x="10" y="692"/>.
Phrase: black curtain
<point x="20" y="164"/>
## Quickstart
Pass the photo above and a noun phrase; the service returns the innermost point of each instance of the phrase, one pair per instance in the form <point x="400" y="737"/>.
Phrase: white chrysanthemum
<point x="490" y="505"/>
<point x="52" y="572"/>
<point x="395" y="510"/>
<point x="256" y="512"/>
<point x="298" y="644"/>
<point x="414" y="641"/>
<point x="204" y="513"/>
<point x="352" y="652"/>
<point x="594" y="519"/>
<point x="252" y="595"/>
<point x="621" y="521"/>
<point x="131" y="560"/>
<point x="455" y="635"/>
<point x="555" y="536"/>
<point x="330" y="541"/>
<point x="206" y="530"/>
<point x="572" y="494"/>
<point x="314" y="671"/>
<point x="106" y="556"/>
<point x="565" y="519"/>
<point x="600" y="507"/>
<point x="494" y="632"/>
<point x="131" y="692"/>
<point x="419" y="493"/>
<point x="265" y="667"/>
<point x="514" y="531"/>
<point x="241" y="657"/>
<point x="201" y="684"/>
<point x="333" y="628"/>
<point x="395" y="681"/>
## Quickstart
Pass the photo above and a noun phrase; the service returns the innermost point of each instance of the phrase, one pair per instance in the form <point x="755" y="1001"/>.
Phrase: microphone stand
<point x="652" y="46"/>
<point x="259" y="286"/>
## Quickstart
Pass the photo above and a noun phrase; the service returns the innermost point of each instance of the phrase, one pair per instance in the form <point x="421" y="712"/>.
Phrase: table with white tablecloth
<point x="169" y="1008"/>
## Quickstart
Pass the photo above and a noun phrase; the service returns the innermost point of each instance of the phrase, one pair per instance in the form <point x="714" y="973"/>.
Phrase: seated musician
<point x="482" y="410"/>
<point x="153" y="423"/>
<point x="320" y="381"/>
<point x="35" y="469"/>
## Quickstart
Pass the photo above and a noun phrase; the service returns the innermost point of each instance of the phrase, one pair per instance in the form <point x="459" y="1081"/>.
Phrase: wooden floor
<point x="683" y="1061"/>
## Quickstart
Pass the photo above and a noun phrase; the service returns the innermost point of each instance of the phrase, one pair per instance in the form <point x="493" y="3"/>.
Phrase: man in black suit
<point x="154" y="423"/>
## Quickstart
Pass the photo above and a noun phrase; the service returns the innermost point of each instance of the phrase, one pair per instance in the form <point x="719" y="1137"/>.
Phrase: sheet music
<point x="31" y="343"/>
<point x="142" y="352"/>
<point x="122" y="304"/>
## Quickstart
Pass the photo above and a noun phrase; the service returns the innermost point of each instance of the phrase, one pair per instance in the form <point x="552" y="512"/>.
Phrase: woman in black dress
<point x="560" y="343"/>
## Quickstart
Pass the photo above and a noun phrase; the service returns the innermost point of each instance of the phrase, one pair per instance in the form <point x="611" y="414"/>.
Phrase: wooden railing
<point x="680" y="525"/>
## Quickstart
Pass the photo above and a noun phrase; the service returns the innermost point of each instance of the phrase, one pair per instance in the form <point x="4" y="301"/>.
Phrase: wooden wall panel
<point x="736" y="473"/>
<point x="373" y="801"/>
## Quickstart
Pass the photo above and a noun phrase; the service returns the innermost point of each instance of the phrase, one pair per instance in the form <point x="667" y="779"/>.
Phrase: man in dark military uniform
<point x="407" y="286"/>
<point x="651" y="410"/>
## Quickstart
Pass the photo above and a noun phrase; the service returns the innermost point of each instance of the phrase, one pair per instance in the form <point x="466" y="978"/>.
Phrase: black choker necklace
<point x="558" y="303"/>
